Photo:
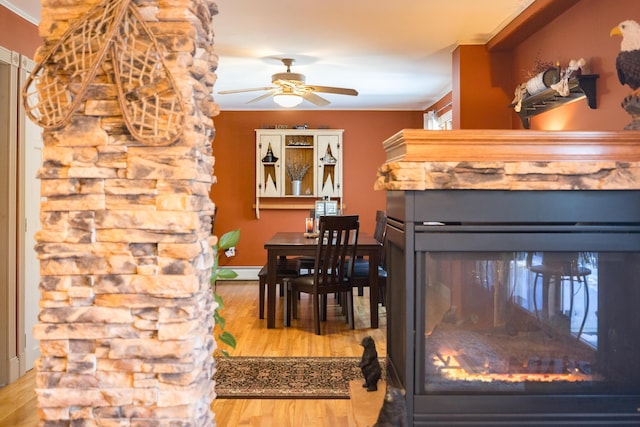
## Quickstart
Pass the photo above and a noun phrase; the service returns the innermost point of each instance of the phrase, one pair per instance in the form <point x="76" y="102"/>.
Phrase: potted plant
<point x="228" y="240"/>
<point x="296" y="171"/>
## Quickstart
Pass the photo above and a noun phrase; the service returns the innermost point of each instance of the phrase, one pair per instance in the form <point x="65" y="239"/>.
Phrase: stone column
<point x="125" y="253"/>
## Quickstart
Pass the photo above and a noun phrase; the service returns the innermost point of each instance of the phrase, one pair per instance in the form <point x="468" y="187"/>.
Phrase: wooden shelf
<point x="581" y="87"/>
<point x="271" y="205"/>
<point x="288" y="203"/>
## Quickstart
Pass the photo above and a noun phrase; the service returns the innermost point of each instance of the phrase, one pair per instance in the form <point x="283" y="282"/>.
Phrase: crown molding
<point x="13" y="8"/>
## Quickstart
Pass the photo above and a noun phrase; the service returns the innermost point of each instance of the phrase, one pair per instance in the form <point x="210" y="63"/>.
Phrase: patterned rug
<point x="287" y="377"/>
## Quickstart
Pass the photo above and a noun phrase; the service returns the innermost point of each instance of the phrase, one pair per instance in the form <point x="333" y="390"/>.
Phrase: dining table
<point x="291" y="243"/>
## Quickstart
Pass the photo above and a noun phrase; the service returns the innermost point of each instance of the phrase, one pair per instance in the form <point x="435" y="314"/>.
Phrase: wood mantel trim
<point x="419" y="145"/>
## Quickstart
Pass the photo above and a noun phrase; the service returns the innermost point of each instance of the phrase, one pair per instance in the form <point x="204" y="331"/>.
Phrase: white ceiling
<point x="397" y="55"/>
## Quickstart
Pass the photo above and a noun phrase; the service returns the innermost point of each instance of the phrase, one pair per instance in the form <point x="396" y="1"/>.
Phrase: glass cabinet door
<point x="270" y="179"/>
<point x="329" y="166"/>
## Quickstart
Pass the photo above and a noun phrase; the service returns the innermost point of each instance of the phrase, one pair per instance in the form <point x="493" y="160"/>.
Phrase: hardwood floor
<point x="18" y="403"/>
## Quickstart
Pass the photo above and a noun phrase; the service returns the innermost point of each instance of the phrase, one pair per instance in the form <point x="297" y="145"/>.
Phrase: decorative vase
<point x="295" y="187"/>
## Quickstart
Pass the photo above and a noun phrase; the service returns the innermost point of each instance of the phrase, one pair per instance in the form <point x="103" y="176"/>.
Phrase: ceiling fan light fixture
<point x="287" y="100"/>
<point x="289" y="89"/>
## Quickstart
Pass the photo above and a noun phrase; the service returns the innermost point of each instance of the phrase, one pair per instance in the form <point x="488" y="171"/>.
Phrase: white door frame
<point x="10" y="339"/>
<point x="29" y="160"/>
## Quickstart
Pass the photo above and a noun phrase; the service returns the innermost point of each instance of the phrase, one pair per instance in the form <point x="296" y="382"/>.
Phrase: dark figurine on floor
<point x="370" y="365"/>
<point x="394" y="409"/>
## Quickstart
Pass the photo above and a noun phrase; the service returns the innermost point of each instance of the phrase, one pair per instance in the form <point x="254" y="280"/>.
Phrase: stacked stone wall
<point x="125" y="323"/>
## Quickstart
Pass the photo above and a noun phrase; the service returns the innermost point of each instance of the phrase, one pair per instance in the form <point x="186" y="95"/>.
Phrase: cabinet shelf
<point x="299" y="203"/>
<point x="580" y="87"/>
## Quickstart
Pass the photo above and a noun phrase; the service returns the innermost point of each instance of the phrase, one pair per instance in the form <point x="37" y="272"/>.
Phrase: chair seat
<point x="286" y="266"/>
<point x="307" y="281"/>
<point x="361" y="270"/>
<point x="360" y="279"/>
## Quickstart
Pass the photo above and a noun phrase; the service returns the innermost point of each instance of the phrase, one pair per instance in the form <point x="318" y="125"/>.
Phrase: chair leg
<point x="262" y="283"/>
<point x="316" y="311"/>
<point x="294" y="298"/>
<point x="323" y="307"/>
<point x="350" y="314"/>
<point x="288" y="302"/>
<point x="586" y="307"/>
<point x="344" y="303"/>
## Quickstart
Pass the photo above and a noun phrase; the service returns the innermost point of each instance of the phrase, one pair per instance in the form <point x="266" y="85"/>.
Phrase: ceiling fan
<point x="290" y="89"/>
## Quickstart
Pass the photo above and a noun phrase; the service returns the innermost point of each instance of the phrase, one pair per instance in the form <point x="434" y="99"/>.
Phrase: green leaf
<point x="217" y="298"/>
<point x="229" y="239"/>
<point x="226" y="273"/>
<point x="228" y="339"/>
<point x="220" y="321"/>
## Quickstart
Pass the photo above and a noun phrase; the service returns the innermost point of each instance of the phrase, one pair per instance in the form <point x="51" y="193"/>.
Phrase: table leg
<point x="272" y="265"/>
<point x="373" y="287"/>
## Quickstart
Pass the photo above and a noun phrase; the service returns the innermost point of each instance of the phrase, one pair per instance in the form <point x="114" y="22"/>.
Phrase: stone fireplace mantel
<point x="420" y="159"/>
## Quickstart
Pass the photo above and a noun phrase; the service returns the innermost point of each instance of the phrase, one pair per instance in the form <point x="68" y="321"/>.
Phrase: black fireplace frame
<point x="466" y="220"/>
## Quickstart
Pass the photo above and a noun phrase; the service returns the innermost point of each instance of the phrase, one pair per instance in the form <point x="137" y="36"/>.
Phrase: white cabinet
<point x="296" y="165"/>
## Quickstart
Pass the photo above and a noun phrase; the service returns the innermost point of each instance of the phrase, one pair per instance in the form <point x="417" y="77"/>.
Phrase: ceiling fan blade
<point x="224" y="92"/>
<point x="261" y="97"/>
<point x="329" y="89"/>
<point x="315" y="99"/>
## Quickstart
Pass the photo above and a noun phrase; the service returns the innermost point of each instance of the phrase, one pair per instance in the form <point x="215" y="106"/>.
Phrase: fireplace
<point x="510" y="302"/>
<point x="515" y="308"/>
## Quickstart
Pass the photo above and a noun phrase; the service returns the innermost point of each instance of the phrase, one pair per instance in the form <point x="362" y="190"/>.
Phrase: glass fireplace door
<point x="515" y="308"/>
<point x="530" y="322"/>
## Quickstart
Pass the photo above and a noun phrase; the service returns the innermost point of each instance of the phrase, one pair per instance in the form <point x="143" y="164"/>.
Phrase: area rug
<point x="287" y="377"/>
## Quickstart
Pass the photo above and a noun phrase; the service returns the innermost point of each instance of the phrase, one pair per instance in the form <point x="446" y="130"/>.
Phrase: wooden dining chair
<point x="333" y="267"/>
<point x="360" y="276"/>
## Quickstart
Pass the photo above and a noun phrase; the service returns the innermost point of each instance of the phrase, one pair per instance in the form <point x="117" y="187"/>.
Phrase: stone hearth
<point x="125" y="320"/>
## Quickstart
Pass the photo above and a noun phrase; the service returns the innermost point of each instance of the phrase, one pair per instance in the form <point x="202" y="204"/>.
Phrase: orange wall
<point x="582" y="32"/>
<point x="480" y="90"/>
<point x="234" y="150"/>
<point x="18" y="34"/>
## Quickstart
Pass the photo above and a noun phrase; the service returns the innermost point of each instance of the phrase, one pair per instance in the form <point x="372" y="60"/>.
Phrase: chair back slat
<point x="336" y="250"/>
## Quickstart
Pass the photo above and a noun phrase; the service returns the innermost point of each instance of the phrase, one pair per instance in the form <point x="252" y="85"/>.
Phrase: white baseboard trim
<point x="246" y="272"/>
